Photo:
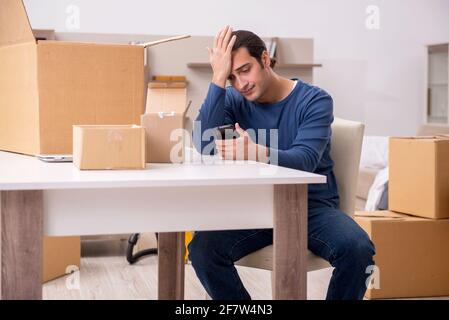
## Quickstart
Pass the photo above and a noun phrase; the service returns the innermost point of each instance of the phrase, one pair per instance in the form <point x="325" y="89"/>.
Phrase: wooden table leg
<point x="21" y="225"/>
<point x="171" y="252"/>
<point x="290" y="242"/>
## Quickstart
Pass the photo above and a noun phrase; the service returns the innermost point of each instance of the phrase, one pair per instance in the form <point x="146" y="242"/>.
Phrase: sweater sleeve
<point x="215" y="111"/>
<point x="313" y="135"/>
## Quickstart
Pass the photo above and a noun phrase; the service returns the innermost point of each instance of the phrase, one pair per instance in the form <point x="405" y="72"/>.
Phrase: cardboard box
<point x="169" y="78"/>
<point x="419" y="176"/>
<point x="60" y="256"/>
<point x="411" y="254"/>
<point x="109" y="147"/>
<point x="164" y="121"/>
<point x="48" y="86"/>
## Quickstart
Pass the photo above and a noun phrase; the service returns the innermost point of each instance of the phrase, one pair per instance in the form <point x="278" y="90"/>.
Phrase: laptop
<point x="55" y="157"/>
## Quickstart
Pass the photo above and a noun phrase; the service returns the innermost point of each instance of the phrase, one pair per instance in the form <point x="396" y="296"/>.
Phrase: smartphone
<point x="226" y="131"/>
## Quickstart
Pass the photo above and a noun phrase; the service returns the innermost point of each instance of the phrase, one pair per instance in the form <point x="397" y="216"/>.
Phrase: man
<point x="259" y="99"/>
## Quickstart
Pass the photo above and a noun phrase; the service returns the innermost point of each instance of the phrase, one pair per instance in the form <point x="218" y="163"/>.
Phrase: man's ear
<point x="266" y="61"/>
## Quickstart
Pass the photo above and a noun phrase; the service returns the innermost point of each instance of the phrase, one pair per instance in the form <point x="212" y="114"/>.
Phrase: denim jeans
<point x="332" y="235"/>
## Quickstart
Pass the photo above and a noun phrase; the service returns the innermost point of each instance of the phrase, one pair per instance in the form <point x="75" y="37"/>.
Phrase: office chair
<point x="134" y="257"/>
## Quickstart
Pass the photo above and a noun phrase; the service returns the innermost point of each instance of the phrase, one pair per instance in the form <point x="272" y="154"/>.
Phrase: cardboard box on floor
<point x="411" y="254"/>
<point x="164" y="120"/>
<point x="60" y="256"/>
<point x="109" y="147"/>
<point x="419" y="176"/>
<point x="48" y="86"/>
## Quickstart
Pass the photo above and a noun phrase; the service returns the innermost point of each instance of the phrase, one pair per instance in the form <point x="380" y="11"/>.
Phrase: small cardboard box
<point x="419" y="176"/>
<point x="47" y="86"/>
<point x="109" y="147"/>
<point x="411" y="258"/>
<point x="164" y="121"/>
<point x="60" y="256"/>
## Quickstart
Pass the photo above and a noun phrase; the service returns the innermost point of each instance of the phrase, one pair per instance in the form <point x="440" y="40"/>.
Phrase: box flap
<point x="167" y="84"/>
<point x="437" y="137"/>
<point x="442" y="136"/>
<point x="14" y="24"/>
<point x="169" y="78"/>
<point x="166" y="100"/>
<point x="107" y="126"/>
<point x="153" y="43"/>
<point x="381" y="214"/>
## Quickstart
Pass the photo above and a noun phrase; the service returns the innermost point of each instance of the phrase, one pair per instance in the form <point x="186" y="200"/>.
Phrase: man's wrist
<point x="262" y="153"/>
<point x="219" y="80"/>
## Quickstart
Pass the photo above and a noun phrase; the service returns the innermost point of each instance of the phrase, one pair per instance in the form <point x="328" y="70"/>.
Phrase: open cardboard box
<point x="47" y="86"/>
<point x="411" y="254"/>
<point x="164" y="121"/>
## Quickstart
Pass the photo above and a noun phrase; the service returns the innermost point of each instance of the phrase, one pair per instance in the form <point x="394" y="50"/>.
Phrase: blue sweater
<point x="303" y="120"/>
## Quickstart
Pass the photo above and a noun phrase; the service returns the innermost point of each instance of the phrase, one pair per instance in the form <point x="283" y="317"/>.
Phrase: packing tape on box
<point x="162" y="114"/>
<point x="114" y="136"/>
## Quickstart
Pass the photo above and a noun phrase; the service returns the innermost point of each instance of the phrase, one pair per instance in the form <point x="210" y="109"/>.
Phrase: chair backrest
<point x="346" y="148"/>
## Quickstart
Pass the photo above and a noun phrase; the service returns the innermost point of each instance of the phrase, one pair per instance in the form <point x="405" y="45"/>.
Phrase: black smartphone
<point x="226" y="131"/>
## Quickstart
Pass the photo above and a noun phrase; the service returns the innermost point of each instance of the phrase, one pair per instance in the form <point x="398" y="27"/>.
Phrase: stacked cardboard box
<point x="412" y="258"/>
<point x="419" y="176"/>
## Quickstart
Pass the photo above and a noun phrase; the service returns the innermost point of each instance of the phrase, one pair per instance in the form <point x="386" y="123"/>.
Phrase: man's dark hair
<point x="253" y="43"/>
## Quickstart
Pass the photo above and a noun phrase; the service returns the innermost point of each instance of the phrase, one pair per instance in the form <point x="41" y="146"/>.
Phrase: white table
<point x="57" y="199"/>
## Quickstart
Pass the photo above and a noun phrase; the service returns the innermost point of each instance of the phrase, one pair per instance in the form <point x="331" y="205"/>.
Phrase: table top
<point x="22" y="172"/>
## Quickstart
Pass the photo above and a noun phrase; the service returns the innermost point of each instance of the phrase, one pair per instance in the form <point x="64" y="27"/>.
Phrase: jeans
<point x="332" y="235"/>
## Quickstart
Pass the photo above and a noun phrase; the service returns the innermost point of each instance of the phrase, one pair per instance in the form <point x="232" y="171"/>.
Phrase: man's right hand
<point x="220" y="56"/>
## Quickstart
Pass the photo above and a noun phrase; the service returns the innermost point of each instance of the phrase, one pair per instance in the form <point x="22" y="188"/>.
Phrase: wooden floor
<point x="113" y="278"/>
<point x="105" y="274"/>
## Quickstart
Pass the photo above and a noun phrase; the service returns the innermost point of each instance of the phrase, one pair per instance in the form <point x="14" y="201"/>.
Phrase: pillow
<point x="374" y="152"/>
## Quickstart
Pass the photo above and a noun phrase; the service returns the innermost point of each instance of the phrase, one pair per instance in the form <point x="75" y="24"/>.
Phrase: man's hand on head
<point x="220" y="56"/>
<point x="242" y="148"/>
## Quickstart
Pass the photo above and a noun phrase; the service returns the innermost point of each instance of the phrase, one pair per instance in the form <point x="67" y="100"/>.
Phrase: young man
<point x="259" y="99"/>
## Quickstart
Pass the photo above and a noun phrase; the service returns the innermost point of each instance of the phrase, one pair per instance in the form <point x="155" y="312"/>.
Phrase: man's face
<point x="247" y="75"/>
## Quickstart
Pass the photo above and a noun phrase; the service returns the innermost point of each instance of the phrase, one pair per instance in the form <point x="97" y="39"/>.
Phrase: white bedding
<point x="375" y="156"/>
<point x="374" y="152"/>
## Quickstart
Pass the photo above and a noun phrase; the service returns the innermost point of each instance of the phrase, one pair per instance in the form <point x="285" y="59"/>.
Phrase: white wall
<point x="375" y="76"/>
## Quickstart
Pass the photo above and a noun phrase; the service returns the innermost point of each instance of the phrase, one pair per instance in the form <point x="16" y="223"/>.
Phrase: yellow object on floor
<point x="188" y="238"/>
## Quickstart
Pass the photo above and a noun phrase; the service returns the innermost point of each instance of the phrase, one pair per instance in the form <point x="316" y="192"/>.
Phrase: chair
<point x="346" y="145"/>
